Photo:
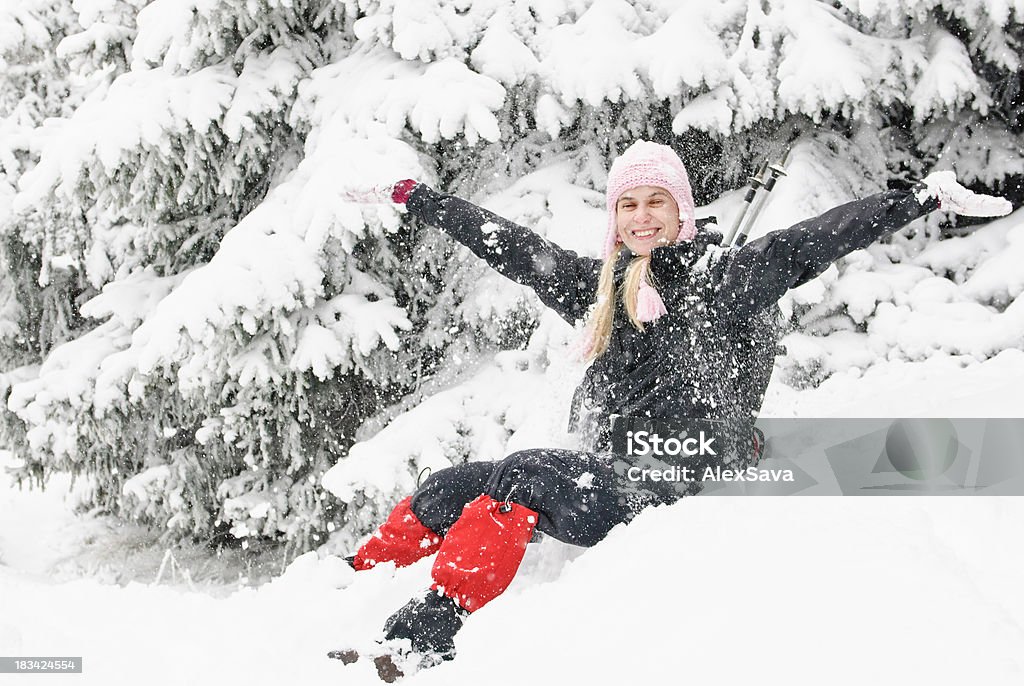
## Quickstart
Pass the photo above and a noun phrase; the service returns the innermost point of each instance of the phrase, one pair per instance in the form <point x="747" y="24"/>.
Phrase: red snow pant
<point x="479" y="517"/>
<point x="401" y="539"/>
<point x="478" y="557"/>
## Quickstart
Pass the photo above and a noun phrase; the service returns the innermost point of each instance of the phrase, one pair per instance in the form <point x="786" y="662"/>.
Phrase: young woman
<point x="674" y="323"/>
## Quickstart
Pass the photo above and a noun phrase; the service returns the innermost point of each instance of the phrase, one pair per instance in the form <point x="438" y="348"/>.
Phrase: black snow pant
<point x="577" y="496"/>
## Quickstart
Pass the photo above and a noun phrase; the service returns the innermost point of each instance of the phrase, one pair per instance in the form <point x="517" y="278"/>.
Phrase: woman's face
<point x="646" y="217"/>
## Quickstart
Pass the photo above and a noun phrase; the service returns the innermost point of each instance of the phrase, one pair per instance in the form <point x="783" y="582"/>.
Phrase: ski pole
<point x="755" y="182"/>
<point x="776" y="171"/>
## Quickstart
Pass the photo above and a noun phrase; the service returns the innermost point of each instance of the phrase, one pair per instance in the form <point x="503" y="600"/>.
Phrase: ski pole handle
<point x="755" y="182"/>
<point x="775" y="172"/>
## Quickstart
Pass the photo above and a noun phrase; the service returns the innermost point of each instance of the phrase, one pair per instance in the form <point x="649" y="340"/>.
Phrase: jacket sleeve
<point x="563" y="280"/>
<point x="763" y="270"/>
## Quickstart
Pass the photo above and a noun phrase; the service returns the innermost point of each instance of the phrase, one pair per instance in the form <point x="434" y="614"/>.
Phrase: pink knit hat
<point x="649" y="164"/>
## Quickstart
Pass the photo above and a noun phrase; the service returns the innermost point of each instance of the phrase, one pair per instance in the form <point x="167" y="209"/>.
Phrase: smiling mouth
<point x="644" y="234"/>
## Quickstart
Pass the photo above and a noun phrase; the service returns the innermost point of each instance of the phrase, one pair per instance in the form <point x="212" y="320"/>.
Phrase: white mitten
<point x="944" y="187"/>
<point x="380" y="193"/>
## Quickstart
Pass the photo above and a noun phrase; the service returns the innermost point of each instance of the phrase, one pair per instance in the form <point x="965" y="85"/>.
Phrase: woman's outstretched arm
<point x="563" y="280"/>
<point x="763" y="270"/>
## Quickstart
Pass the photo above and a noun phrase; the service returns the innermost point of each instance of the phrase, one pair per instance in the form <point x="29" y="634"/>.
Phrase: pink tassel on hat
<point x="649" y="305"/>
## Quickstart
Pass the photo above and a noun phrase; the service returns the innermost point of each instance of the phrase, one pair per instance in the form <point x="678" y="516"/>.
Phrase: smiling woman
<point x="650" y="205"/>
<point x="676" y="330"/>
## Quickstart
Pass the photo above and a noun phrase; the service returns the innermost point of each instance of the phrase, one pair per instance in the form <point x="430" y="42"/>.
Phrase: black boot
<point x="420" y="635"/>
<point x="429" y="623"/>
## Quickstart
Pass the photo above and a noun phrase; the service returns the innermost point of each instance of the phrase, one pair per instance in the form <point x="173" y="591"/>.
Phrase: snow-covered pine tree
<point x="180" y="130"/>
<point x="251" y="325"/>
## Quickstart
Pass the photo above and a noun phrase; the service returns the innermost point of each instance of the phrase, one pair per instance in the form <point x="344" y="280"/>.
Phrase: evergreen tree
<point x="195" y="320"/>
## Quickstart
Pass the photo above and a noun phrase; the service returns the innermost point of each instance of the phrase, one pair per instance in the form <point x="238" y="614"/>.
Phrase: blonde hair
<point x="599" y="325"/>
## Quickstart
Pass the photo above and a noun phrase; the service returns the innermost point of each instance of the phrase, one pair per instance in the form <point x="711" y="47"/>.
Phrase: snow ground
<point x="710" y="590"/>
<point x="941" y="386"/>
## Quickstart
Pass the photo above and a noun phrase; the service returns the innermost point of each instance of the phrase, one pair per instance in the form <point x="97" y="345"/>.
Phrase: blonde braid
<point x="603" y="314"/>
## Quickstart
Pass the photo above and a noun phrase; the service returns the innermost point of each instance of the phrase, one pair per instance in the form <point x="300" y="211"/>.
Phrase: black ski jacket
<point x="711" y="356"/>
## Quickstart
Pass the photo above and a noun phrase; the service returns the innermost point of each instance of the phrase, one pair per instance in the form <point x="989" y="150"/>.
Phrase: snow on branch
<point x="502" y="55"/>
<point x="20" y="25"/>
<point x="688" y="51"/>
<point x="593" y="59"/>
<point x="154" y="111"/>
<point x="948" y="80"/>
<point x="441" y="100"/>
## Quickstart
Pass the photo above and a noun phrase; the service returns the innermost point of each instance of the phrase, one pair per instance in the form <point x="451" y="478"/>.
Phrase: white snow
<point x="579" y="67"/>
<point x="721" y="590"/>
<point x="942" y="386"/>
<point x="501" y="54"/>
<point x="708" y="112"/>
<point x="687" y="51"/>
<point x="948" y="79"/>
